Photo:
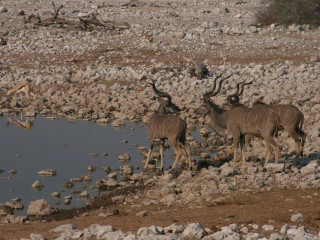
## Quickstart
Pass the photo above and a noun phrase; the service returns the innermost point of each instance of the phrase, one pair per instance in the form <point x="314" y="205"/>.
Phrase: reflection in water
<point x="66" y="148"/>
<point x="26" y="124"/>
<point x="69" y="149"/>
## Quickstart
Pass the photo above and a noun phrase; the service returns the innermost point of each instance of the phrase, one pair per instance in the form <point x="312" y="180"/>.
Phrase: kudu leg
<point x="235" y="151"/>
<point x="299" y="137"/>
<point x="161" y="154"/>
<point x="248" y="138"/>
<point x="236" y="137"/>
<point x="177" y="150"/>
<point x="298" y="148"/>
<point x="303" y="136"/>
<point x="242" y="147"/>
<point x="272" y="143"/>
<point x="187" y="147"/>
<point x="267" y="154"/>
<point x="149" y="154"/>
<point x="178" y="156"/>
<point x="276" y="153"/>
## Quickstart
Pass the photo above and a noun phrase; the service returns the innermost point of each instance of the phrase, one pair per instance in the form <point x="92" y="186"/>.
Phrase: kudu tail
<point x="301" y="121"/>
<point x="300" y="125"/>
<point x="278" y="126"/>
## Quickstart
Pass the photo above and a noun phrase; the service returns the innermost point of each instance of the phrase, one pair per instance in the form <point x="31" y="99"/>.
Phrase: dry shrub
<point x="287" y="12"/>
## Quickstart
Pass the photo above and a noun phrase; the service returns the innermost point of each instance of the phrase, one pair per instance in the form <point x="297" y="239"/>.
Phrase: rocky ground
<point x="101" y="74"/>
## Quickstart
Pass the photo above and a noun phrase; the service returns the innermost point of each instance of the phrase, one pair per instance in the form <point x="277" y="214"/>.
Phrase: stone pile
<point x="181" y="232"/>
<point x="207" y="186"/>
<point x="102" y="76"/>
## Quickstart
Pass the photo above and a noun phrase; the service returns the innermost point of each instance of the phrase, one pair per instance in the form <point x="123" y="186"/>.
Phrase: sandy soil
<point x="275" y="207"/>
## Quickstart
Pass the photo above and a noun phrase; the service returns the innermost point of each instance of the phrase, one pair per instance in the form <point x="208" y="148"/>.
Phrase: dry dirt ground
<point x="275" y="207"/>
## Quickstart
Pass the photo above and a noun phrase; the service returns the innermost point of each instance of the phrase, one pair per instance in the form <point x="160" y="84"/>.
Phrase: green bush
<point x="287" y="12"/>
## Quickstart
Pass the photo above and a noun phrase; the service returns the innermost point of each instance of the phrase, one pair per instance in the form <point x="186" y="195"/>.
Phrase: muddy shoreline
<point x="101" y="74"/>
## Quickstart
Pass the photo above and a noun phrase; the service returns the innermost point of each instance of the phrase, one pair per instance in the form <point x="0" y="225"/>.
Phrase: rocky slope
<point x="102" y="75"/>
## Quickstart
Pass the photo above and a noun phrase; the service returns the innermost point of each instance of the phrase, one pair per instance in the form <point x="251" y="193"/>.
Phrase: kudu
<point x="291" y="119"/>
<point x="235" y="97"/>
<point x="166" y="124"/>
<point x="240" y="120"/>
<point x="233" y="100"/>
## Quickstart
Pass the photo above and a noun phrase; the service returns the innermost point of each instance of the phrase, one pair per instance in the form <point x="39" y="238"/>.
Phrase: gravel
<point x="174" y="231"/>
<point x="102" y="76"/>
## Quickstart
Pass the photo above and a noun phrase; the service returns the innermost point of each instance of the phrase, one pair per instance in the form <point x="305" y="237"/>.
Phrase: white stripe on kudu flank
<point x="285" y="116"/>
<point x="154" y="124"/>
<point x="177" y="121"/>
<point x="255" y="120"/>
<point x="163" y="126"/>
<point x="248" y="117"/>
<point x="280" y="110"/>
<point x="241" y="118"/>
<point x="269" y="117"/>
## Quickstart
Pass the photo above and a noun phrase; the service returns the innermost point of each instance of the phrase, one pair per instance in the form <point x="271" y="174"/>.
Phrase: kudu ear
<point x="205" y="101"/>
<point x="162" y="101"/>
<point x="233" y="99"/>
<point x="205" y="108"/>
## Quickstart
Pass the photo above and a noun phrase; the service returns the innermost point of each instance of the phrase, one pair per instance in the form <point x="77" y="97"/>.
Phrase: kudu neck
<point x="164" y="111"/>
<point x="218" y="115"/>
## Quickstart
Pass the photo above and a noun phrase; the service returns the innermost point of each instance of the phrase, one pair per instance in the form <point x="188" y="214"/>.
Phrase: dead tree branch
<point x="56" y="11"/>
<point x="87" y="23"/>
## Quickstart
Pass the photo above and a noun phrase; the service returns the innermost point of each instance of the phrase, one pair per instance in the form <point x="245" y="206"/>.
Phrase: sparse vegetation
<point x="287" y="12"/>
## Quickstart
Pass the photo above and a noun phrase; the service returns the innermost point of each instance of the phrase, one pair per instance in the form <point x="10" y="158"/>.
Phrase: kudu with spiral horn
<point x="166" y="124"/>
<point x="235" y="97"/>
<point x="218" y="116"/>
<point x="233" y="100"/>
<point x="291" y="118"/>
<point x="240" y="120"/>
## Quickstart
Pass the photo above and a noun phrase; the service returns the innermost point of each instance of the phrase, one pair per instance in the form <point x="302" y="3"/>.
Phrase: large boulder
<point x="193" y="231"/>
<point x="5" y="210"/>
<point x="311" y="168"/>
<point x="39" y="208"/>
<point x="275" y="168"/>
<point x="64" y="228"/>
<point x="101" y="231"/>
<point x="297" y="217"/>
<point x="14" y="219"/>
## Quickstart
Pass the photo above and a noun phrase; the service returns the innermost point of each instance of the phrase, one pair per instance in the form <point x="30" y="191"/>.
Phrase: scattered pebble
<point x="142" y="214"/>
<point x="47" y="173"/>
<point x="92" y="169"/>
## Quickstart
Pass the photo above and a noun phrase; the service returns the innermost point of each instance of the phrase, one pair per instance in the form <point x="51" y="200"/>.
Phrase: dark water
<point x="65" y="147"/>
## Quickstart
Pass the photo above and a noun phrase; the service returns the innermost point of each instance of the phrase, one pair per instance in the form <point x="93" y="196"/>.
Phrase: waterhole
<point x="69" y="148"/>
